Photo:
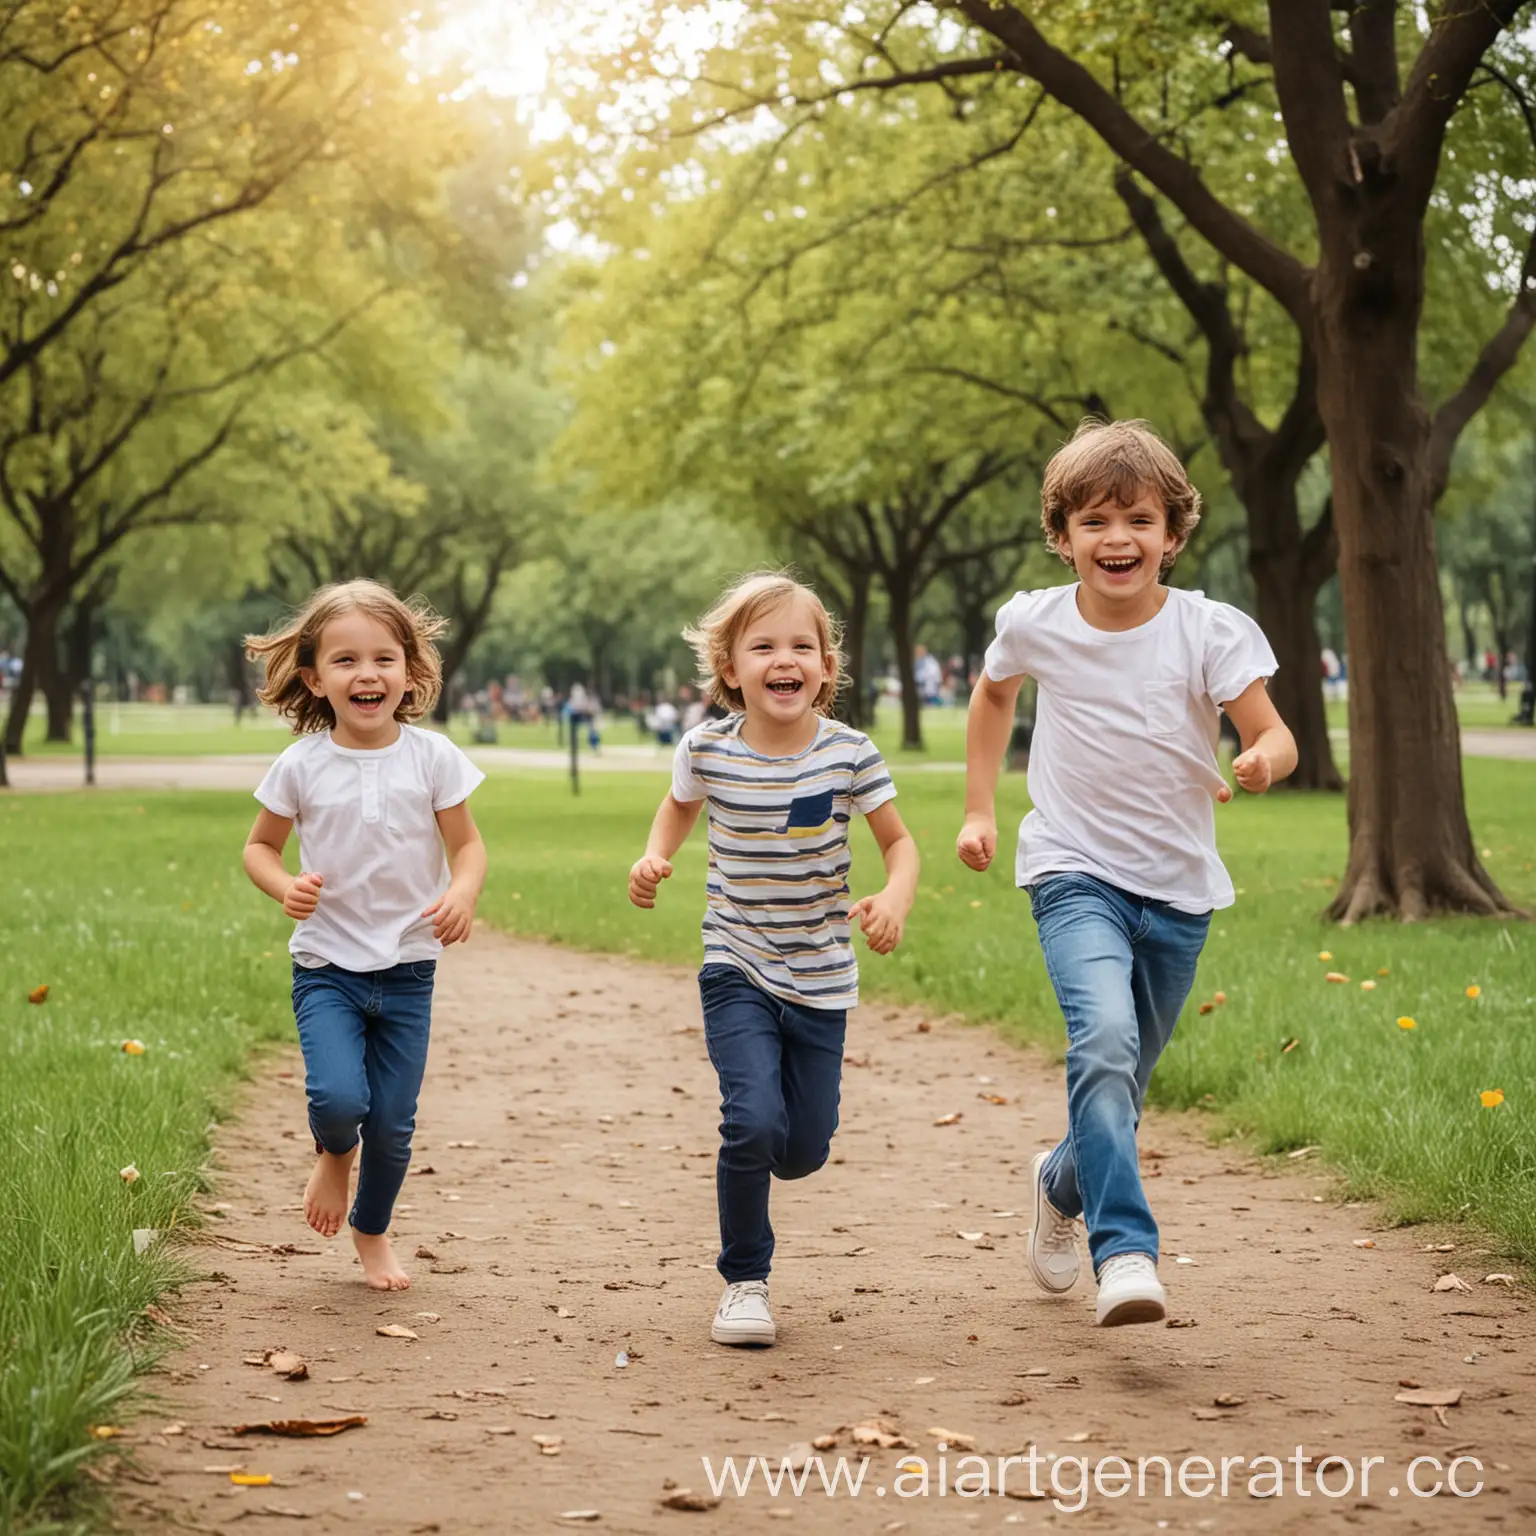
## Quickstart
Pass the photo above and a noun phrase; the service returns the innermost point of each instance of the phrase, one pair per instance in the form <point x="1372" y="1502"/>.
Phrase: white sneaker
<point x="1129" y="1292"/>
<point x="1052" y="1245"/>
<point x="743" y="1316"/>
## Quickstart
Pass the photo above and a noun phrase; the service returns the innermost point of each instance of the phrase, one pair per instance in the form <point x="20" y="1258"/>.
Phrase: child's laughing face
<point x="778" y="664"/>
<point x="1118" y="552"/>
<point x="360" y="671"/>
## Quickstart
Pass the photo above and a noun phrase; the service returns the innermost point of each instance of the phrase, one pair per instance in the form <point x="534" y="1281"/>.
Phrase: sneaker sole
<point x="1134" y="1309"/>
<point x="752" y="1338"/>
<point x="1046" y="1283"/>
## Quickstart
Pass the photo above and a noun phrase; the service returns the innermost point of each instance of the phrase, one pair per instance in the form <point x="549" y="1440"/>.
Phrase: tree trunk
<point x="1410" y="845"/>
<point x="1288" y="571"/>
<point x="54" y="680"/>
<point x="854" y="703"/>
<point x="40" y="654"/>
<point x="899" y="590"/>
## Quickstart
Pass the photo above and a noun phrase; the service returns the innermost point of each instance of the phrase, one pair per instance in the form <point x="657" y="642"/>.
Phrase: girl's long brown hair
<point x="288" y="650"/>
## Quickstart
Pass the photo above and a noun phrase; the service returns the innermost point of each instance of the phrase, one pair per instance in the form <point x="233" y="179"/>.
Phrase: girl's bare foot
<point x="380" y="1265"/>
<point x="325" y="1196"/>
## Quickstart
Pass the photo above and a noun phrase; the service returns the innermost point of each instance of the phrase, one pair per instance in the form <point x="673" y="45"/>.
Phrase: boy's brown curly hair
<point x="1117" y="461"/>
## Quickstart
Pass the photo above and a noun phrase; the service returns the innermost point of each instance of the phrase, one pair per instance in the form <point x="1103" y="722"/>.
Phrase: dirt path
<point x="564" y="1179"/>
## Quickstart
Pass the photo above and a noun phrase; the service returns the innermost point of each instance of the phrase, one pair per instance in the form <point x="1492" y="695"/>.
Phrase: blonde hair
<point x="1119" y="460"/>
<point x="715" y="636"/>
<point x="287" y="651"/>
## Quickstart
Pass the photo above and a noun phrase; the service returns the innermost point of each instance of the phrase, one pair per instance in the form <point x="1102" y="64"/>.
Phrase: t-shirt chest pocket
<point x="1166" y="708"/>
<point x="808" y="814"/>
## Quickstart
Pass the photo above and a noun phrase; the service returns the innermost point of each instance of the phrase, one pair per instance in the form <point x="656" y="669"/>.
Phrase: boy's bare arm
<point x="988" y="726"/>
<point x="883" y="917"/>
<point x="1269" y="749"/>
<point x="263" y="860"/>
<point x="669" y="831"/>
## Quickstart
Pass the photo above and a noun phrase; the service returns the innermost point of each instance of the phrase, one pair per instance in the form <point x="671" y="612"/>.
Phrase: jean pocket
<point x="1166" y="707"/>
<point x="424" y="970"/>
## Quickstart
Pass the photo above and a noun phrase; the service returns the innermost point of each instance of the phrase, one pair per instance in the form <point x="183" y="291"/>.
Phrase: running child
<point x="1119" y="853"/>
<point x="781" y="780"/>
<point x="376" y="801"/>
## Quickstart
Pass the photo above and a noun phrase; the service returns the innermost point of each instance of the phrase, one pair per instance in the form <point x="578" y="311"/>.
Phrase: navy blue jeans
<point x="1122" y="967"/>
<point x="781" y="1070"/>
<point x="364" y="1036"/>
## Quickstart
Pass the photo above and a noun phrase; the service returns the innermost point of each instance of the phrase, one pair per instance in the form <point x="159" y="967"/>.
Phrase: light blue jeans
<point x="1122" y="967"/>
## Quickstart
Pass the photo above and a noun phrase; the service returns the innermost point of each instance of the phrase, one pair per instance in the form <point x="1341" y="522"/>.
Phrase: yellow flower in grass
<point x="1406" y="1023"/>
<point x="1474" y="992"/>
<point x="1492" y="1097"/>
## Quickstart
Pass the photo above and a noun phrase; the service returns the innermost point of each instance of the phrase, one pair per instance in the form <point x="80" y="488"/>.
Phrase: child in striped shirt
<point x="781" y="780"/>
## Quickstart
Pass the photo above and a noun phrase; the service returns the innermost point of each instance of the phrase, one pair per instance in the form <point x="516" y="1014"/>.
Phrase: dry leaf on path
<point x="289" y="1366"/>
<point x="395" y="1331"/>
<point x="1229" y="1400"/>
<point x="954" y="1118"/>
<point x="953" y="1438"/>
<point x="686" y="1498"/>
<point x="824" y="1442"/>
<point x="499" y="1429"/>
<point x="1498" y="1279"/>
<point x="1365" y="1242"/>
<point x="1207" y="1414"/>
<point x="549" y="1445"/>
<point x="992" y="1098"/>
<point x="1440" y="1248"/>
<point x="424" y="1252"/>
<point x="302" y="1429"/>
<point x="1430" y="1397"/>
<point x="1451" y="1283"/>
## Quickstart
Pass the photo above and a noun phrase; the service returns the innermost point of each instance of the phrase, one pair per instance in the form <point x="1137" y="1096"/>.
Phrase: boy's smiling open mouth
<point x="1119" y="565"/>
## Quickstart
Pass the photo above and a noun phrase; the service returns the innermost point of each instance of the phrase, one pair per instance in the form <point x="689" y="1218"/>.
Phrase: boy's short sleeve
<point x="1008" y="655"/>
<point x="1236" y="654"/>
<point x="872" y="785"/>
<point x="454" y="777"/>
<point x="278" y="790"/>
<point x="686" y="784"/>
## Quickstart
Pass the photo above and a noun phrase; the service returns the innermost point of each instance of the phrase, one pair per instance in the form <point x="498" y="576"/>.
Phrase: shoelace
<point x="1060" y="1230"/>
<point x="1122" y="1261"/>
<point x="746" y="1289"/>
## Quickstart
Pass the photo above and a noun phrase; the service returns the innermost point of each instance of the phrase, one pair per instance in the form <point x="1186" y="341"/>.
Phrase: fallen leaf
<point x="1365" y="1242"/>
<point x="1229" y="1400"/>
<point x="824" y="1442"/>
<point x="302" y="1429"/>
<point x="133" y="1047"/>
<point x="251" y="1479"/>
<point x="103" y="1431"/>
<point x="686" y="1498"/>
<point x="424" y="1252"/>
<point x="1498" y="1279"/>
<point x="1430" y="1397"/>
<point x="38" y="994"/>
<point x="129" y="1175"/>
<point x="1302" y="1152"/>
<point x="1440" y="1248"/>
<point x="1367" y="986"/>
<point x="290" y="1367"/>
<point x="953" y="1118"/>
<point x="1206" y="1414"/>
<point x="953" y="1437"/>
<point x="395" y="1331"/>
<point x="1206" y="1008"/>
<point x="1451" y="1283"/>
<point x="1338" y="978"/>
<point x="992" y="1098"/>
<point x="549" y="1445"/>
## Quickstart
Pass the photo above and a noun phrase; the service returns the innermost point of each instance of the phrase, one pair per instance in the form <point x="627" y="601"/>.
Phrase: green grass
<point x="133" y="910"/>
<point x="136" y="916"/>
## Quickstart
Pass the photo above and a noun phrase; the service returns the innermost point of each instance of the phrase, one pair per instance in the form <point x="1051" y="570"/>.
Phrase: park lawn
<point x="134" y="911"/>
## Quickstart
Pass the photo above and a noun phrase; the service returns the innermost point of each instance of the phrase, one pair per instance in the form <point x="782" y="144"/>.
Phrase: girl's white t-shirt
<point x="1122" y="766"/>
<point x="366" y="821"/>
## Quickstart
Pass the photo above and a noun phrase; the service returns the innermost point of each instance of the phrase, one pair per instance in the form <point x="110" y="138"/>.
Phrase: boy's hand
<point x="977" y="841"/>
<point x="453" y="917"/>
<point x="302" y="896"/>
<point x="1252" y="770"/>
<point x="883" y="923"/>
<point x="646" y="875"/>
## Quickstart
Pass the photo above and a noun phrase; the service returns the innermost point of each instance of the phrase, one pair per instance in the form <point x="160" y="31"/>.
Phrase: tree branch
<point x="1273" y="268"/>
<point x="1373" y="47"/>
<point x="1310" y="84"/>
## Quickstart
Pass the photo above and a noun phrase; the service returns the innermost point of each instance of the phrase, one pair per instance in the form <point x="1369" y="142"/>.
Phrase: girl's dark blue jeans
<point x="780" y="1066"/>
<point x="364" y="1037"/>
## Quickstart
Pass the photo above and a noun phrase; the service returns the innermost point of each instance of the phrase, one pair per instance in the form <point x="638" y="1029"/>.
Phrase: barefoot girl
<point x="781" y="781"/>
<point x="376" y="801"/>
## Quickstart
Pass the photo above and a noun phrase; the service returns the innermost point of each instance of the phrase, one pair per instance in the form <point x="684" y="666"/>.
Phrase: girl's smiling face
<point x="778" y="664"/>
<point x="360" y="672"/>
<point x="1118" y="552"/>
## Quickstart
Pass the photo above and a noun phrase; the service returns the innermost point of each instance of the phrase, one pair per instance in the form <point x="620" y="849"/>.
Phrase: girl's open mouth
<point x="366" y="702"/>
<point x="785" y="687"/>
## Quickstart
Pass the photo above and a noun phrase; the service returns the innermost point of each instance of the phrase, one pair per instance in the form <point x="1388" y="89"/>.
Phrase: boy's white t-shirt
<point x="366" y="821"/>
<point x="1122" y="766"/>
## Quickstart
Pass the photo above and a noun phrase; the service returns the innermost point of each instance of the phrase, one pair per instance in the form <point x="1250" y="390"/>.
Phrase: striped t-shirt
<point x="778" y="853"/>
